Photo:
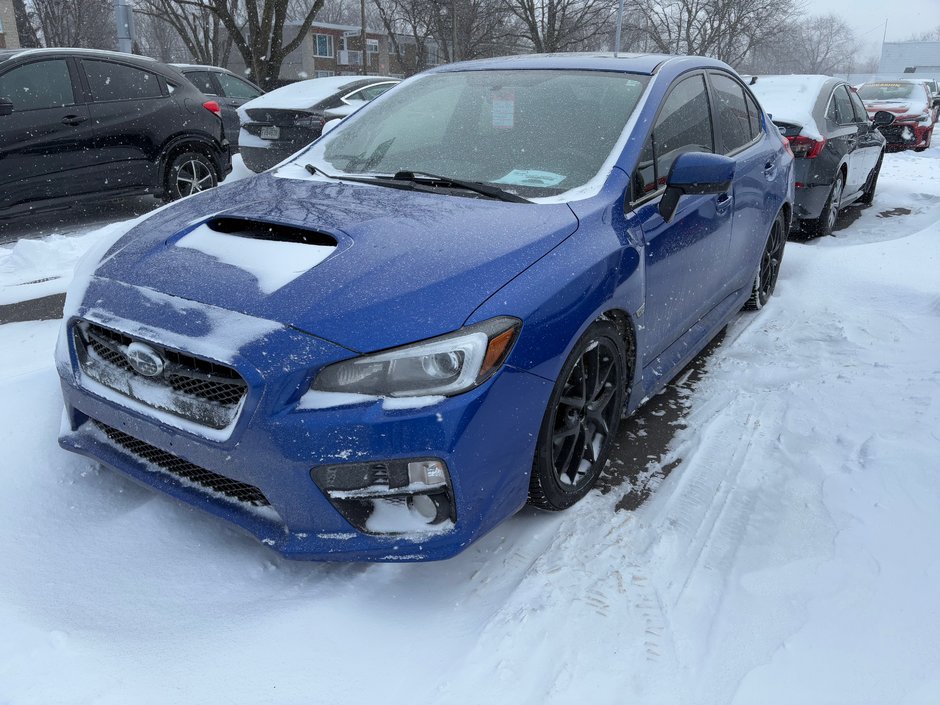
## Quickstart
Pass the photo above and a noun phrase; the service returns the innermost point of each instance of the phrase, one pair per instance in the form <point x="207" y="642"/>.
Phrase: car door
<point x="44" y="140"/>
<point x="741" y="136"/>
<point x="234" y="93"/>
<point x="132" y="116"/>
<point x="844" y="136"/>
<point x="870" y="142"/>
<point x="685" y="257"/>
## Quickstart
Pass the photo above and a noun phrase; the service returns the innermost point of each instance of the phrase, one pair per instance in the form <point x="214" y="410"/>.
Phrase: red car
<point x="910" y="103"/>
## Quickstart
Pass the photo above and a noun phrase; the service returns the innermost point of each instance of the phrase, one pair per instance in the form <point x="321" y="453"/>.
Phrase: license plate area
<point x="270" y="132"/>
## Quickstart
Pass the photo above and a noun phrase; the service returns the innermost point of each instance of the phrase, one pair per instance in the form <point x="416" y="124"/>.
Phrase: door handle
<point x="73" y="120"/>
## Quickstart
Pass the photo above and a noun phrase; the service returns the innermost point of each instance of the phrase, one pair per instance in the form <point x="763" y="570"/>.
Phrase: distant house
<point x="910" y="60"/>
<point x="336" y="50"/>
<point x="9" y="39"/>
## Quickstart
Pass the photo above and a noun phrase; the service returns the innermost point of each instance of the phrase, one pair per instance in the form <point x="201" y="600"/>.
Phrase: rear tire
<point x="766" y="280"/>
<point x="187" y="173"/>
<point x="868" y="195"/>
<point x="581" y="420"/>
<point x="823" y="225"/>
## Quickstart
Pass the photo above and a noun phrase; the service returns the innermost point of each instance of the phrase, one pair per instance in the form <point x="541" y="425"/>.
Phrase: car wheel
<point x="826" y="221"/>
<point x="868" y="195"/>
<point x="188" y="173"/>
<point x="581" y="420"/>
<point x="769" y="269"/>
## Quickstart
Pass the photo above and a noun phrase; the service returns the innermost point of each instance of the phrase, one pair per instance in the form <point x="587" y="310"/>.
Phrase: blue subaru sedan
<point x="440" y="310"/>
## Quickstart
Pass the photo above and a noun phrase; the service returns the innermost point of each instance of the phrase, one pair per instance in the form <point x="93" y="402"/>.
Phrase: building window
<point x="322" y="74"/>
<point x="323" y="45"/>
<point x="372" y="46"/>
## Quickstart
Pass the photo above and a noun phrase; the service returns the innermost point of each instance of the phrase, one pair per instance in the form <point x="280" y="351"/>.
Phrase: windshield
<point x="890" y="91"/>
<point x="533" y="133"/>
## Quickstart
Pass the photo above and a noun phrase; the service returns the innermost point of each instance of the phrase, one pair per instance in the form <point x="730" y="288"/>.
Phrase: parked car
<point x="838" y="149"/>
<point x="353" y="358"/>
<point x="229" y="90"/>
<point x="78" y="124"/>
<point x="279" y="123"/>
<point x="912" y="107"/>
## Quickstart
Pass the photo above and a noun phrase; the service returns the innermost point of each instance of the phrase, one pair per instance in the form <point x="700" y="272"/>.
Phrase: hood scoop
<point x="274" y="254"/>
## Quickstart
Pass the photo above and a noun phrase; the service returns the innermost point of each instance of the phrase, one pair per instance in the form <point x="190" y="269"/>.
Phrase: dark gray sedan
<point x="838" y="149"/>
<point x="229" y="90"/>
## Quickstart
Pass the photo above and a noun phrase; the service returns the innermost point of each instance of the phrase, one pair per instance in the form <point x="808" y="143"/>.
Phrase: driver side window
<point x="684" y="125"/>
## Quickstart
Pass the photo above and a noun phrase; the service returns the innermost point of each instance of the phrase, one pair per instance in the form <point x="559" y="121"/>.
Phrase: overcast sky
<point x="867" y="18"/>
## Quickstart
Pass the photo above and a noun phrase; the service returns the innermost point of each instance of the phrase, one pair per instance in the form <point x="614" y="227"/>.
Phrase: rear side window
<point x="234" y="87"/>
<point x="731" y="114"/>
<point x="41" y="84"/>
<point x="861" y="115"/>
<point x="203" y="81"/>
<point x="844" y="112"/>
<point x="684" y="125"/>
<point x="754" y="117"/>
<point x="109" y="81"/>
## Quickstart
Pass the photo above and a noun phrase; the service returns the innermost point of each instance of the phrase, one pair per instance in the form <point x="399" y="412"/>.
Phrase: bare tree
<point x="198" y="27"/>
<point x="75" y="23"/>
<point x="729" y="30"/>
<point x="818" y="44"/>
<point x="409" y="31"/>
<point x="24" y="25"/>
<point x="560" y="25"/>
<point x="932" y="35"/>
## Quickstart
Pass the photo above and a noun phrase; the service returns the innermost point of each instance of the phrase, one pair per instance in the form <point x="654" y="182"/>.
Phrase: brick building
<point x="9" y="39"/>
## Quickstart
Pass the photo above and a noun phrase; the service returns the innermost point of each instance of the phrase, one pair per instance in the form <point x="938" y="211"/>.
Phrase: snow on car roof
<point x="791" y="99"/>
<point x="303" y="94"/>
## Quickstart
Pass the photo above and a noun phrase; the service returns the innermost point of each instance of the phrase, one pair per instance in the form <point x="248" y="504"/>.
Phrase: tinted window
<point x="844" y="111"/>
<point x="861" y="115"/>
<point x="831" y="110"/>
<point x="42" y="84"/>
<point x="754" y="116"/>
<point x="684" y="125"/>
<point x="203" y="81"/>
<point x="110" y="81"/>
<point x="234" y="87"/>
<point x="730" y="113"/>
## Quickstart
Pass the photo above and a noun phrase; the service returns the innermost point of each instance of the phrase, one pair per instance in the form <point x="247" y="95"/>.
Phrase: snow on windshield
<point x="535" y="133"/>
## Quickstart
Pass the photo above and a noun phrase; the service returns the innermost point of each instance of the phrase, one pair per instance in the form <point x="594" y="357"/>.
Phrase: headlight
<point x="443" y="366"/>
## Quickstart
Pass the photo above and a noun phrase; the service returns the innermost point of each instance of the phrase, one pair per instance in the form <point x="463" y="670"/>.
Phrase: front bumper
<point x="486" y="437"/>
<point x="906" y="135"/>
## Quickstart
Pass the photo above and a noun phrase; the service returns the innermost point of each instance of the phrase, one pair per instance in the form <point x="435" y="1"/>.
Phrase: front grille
<point x="192" y="388"/>
<point x="183" y="469"/>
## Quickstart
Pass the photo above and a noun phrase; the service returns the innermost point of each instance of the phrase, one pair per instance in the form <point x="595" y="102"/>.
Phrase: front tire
<point x="187" y="173"/>
<point x="581" y="420"/>
<point x="766" y="280"/>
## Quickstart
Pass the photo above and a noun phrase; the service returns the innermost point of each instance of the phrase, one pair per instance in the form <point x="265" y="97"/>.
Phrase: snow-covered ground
<point x="792" y="555"/>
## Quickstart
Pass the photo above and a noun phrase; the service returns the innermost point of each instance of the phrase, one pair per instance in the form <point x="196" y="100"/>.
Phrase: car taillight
<point x="805" y="147"/>
<point x="213" y="107"/>
<point x="786" y="143"/>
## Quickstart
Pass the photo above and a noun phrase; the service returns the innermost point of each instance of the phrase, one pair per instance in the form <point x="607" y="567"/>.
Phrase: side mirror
<point x="882" y="118"/>
<point x="936" y="102"/>
<point x="695" y="173"/>
<point x="6" y="106"/>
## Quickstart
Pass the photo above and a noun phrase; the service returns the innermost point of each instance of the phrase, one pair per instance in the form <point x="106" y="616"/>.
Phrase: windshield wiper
<point x="423" y="177"/>
<point x="375" y="181"/>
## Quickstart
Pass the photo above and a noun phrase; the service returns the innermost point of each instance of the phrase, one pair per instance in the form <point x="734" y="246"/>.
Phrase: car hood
<point x="405" y="265"/>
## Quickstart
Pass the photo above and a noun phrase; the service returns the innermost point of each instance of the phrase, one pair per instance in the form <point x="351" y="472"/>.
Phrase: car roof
<point x="201" y="67"/>
<point x="647" y="64"/>
<point x="104" y="53"/>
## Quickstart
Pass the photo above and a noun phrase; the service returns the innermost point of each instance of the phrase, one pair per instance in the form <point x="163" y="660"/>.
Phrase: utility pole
<point x="365" y="52"/>
<point x="453" y="23"/>
<point x="124" y="21"/>
<point x="619" y="24"/>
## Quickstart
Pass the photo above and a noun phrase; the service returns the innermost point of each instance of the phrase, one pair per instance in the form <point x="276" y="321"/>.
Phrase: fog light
<point x="434" y="508"/>
<point x="427" y="472"/>
<point x="395" y="496"/>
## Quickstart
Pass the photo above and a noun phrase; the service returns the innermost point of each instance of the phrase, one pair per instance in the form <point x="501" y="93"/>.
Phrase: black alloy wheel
<point x="766" y="280"/>
<point x="581" y="421"/>
<point x="189" y="173"/>
<point x="824" y="224"/>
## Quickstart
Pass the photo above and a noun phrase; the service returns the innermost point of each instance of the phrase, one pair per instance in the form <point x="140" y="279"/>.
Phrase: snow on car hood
<point x="399" y="266"/>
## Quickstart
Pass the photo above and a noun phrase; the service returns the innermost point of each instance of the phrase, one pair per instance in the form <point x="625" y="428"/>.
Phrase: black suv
<point x="80" y="124"/>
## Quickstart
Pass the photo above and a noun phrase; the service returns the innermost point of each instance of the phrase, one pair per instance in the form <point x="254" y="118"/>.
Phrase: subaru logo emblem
<point x="144" y="359"/>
